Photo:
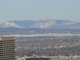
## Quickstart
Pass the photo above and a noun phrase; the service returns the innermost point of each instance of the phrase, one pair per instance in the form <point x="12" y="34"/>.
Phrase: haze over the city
<point x="39" y="9"/>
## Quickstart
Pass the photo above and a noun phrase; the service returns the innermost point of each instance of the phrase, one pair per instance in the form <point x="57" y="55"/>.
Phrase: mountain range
<point x="38" y="26"/>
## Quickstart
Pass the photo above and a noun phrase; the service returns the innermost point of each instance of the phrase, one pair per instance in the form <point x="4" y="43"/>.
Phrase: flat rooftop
<point x="7" y="38"/>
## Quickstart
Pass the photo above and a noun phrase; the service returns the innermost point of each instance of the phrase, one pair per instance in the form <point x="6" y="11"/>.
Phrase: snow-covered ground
<point x="46" y="34"/>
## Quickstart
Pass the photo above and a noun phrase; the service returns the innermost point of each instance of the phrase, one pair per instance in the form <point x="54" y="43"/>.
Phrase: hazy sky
<point x="39" y="9"/>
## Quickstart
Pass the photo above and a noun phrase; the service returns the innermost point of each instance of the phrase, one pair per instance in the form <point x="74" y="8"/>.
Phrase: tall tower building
<point x="7" y="48"/>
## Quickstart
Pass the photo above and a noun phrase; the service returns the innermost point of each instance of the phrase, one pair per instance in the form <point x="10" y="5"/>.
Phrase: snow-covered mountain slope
<point x="10" y="24"/>
<point x="39" y="26"/>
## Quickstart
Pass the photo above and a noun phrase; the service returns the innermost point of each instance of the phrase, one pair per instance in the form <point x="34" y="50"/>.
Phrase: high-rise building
<point x="7" y="48"/>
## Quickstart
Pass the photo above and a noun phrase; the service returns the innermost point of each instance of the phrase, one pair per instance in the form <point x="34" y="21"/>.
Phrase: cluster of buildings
<point x="7" y="51"/>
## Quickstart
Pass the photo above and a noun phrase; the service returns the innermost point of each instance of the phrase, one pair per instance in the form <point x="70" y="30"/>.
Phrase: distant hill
<point x="38" y="26"/>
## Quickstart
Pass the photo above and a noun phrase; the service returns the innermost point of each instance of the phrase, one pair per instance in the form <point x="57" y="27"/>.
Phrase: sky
<point x="39" y="9"/>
